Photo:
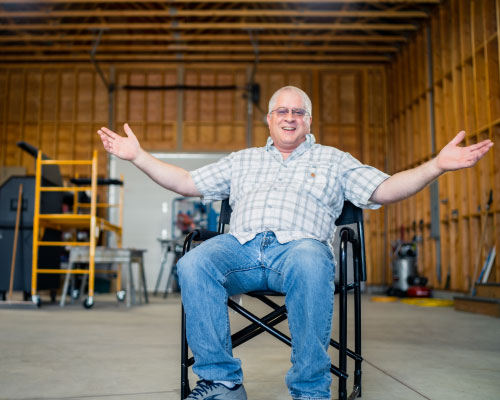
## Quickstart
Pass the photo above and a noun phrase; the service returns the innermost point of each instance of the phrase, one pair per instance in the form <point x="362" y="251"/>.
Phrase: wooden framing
<point x="183" y="37"/>
<point x="67" y="104"/>
<point x="171" y="12"/>
<point x="465" y="52"/>
<point x="224" y="1"/>
<point x="376" y="100"/>
<point x="208" y="31"/>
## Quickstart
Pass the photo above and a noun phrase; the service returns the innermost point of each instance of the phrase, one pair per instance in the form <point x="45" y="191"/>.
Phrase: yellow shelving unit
<point x="72" y="222"/>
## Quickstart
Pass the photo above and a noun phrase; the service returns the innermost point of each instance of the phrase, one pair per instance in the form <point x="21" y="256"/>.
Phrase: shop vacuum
<point x="405" y="279"/>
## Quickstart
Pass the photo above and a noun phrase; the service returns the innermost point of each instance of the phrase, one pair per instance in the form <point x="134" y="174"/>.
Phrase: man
<point x="285" y="198"/>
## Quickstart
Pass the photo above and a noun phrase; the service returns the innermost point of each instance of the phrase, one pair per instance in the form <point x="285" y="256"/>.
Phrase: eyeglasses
<point x="296" y="112"/>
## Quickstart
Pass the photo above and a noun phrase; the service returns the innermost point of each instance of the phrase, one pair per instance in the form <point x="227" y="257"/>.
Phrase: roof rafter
<point x="220" y="1"/>
<point x="212" y="30"/>
<point x="174" y="25"/>
<point x="329" y="38"/>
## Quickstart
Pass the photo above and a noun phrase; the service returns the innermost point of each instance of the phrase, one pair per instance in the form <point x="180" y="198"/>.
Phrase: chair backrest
<point x="225" y="215"/>
<point x="350" y="214"/>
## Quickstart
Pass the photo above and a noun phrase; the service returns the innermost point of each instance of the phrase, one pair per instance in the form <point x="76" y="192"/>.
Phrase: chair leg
<point x="343" y="314"/>
<point x="356" y="391"/>
<point x="357" y="320"/>
<point x="184" y="359"/>
<point x="144" y="284"/>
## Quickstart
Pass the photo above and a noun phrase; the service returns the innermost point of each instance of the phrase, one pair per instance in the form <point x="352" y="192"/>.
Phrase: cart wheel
<point x="36" y="299"/>
<point x="75" y="294"/>
<point x="88" y="302"/>
<point x="121" y="295"/>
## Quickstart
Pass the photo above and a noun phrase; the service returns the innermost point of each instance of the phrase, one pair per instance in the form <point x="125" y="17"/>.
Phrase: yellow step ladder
<point x="73" y="221"/>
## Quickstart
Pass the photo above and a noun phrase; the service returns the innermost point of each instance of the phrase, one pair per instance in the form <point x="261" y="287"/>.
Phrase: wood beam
<point x="201" y="57"/>
<point x="218" y="1"/>
<point x="203" y="38"/>
<point x="213" y="13"/>
<point x="208" y="48"/>
<point x="215" y="26"/>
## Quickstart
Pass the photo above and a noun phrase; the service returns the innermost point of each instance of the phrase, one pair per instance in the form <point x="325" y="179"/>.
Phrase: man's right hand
<point x="126" y="148"/>
<point x="166" y="175"/>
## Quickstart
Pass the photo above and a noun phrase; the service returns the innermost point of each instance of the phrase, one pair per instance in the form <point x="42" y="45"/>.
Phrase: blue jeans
<point x="221" y="267"/>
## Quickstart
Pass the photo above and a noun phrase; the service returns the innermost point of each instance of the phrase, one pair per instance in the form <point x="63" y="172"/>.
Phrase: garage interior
<point x="391" y="82"/>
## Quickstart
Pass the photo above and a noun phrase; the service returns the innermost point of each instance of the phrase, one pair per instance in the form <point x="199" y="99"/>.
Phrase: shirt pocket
<point x="313" y="180"/>
<point x="316" y="182"/>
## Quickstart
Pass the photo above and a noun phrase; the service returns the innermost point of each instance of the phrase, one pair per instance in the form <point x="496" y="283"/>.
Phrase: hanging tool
<point x="11" y="303"/>
<point x="481" y="243"/>
<point x="16" y="234"/>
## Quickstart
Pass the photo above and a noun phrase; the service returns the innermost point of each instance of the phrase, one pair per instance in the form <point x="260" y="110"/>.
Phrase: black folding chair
<point x="350" y="215"/>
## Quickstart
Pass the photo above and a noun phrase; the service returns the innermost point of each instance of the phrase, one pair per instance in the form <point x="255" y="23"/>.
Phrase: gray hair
<point x="305" y="98"/>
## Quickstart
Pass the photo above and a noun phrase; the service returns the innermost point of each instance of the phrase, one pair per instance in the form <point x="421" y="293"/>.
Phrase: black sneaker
<point x="209" y="390"/>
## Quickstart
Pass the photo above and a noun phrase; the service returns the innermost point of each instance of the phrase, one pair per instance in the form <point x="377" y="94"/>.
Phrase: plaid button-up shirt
<point x="300" y="197"/>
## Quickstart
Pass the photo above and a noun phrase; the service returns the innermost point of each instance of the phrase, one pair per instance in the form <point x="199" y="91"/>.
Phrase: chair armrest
<point x="198" y="235"/>
<point x="203" y="234"/>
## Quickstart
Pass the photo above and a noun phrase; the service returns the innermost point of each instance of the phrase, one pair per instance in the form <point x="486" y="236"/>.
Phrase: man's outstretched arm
<point x="167" y="175"/>
<point x="452" y="157"/>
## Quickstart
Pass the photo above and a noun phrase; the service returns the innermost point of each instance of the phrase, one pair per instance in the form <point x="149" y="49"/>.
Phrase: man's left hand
<point x="453" y="157"/>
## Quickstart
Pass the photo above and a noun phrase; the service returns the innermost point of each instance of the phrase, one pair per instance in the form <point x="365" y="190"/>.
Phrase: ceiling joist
<point x="340" y="31"/>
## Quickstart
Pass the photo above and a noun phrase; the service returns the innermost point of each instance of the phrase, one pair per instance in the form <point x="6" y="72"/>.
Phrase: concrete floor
<point x="111" y="352"/>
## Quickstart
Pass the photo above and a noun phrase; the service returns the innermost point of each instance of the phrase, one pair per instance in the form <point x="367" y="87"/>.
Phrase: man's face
<point x="289" y="130"/>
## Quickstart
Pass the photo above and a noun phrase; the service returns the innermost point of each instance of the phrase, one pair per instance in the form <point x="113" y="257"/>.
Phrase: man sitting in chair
<point x="285" y="198"/>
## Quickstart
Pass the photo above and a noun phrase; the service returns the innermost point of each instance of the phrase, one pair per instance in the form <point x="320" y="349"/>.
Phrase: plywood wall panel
<point x="206" y="99"/>
<point x="50" y="96"/>
<point x="240" y="102"/>
<point x="13" y="134"/>
<point x="458" y="100"/>
<point x="456" y="33"/>
<point x="33" y="96"/>
<point x="260" y="134"/>
<point x="170" y="97"/>
<point x="85" y="96"/>
<point x="349" y="99"/>
<point x="121" y="99"/>
<point x="191" y="98"/>
<point x="154" y="99"/>
<point x="48" y="138"/>
<point x="4" y="88"/>
<point x="275" y="81"/>
<point x="226" y="100"/>
<point x="477" y="10"/>
<point x="493" y="70"/>
<point x="446" y="40"/>
<point x="67" y="96"/>
<point x="480" y="94"/>
<point x="136" y="102"/>
<point x="330" y="90"/>
<point x="101" y="101"/>
<point x="465" y="29"/>
<point x="65" y="147"/>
